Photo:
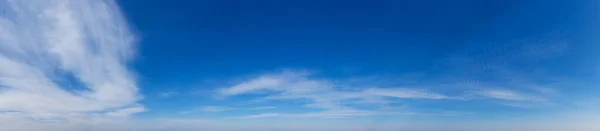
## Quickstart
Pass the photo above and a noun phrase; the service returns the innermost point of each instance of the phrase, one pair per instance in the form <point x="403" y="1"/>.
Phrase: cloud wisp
<point x="64" y="57"/>
<point x="335" y="98"/>
<point x="509" y="95"/>
<point x="323" y="94"/>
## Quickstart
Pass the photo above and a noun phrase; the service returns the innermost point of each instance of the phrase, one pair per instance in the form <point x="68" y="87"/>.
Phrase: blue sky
<point x="299" y="65"/>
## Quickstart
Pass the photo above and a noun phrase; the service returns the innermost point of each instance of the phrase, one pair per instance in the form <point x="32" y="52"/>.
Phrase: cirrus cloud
<point x="63" y="57"/>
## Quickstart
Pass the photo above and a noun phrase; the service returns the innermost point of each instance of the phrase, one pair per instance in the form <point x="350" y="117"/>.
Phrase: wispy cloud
<point x="331" y="96"/>
<point x="515" y="98"/>
<point x="323" y="94"/>
<point x="265" y="82"/>
<point x="66" y="56"/>
<point x="404" y="93"/>
<point x="503" y="94"/>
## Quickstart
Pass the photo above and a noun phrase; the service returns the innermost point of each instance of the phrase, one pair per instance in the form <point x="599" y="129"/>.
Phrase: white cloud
<point x="43" y="43"/>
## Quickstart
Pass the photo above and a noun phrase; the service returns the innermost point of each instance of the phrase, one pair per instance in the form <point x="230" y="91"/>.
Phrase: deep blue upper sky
<point x="188" y="43"/>
<point x="216" y="38"/>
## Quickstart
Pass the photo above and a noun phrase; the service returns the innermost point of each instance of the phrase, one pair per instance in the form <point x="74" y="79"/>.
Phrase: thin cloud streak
<point x="322" y="94"/>
<point x="335" y="96"/>
<point x="509" y="95"/>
